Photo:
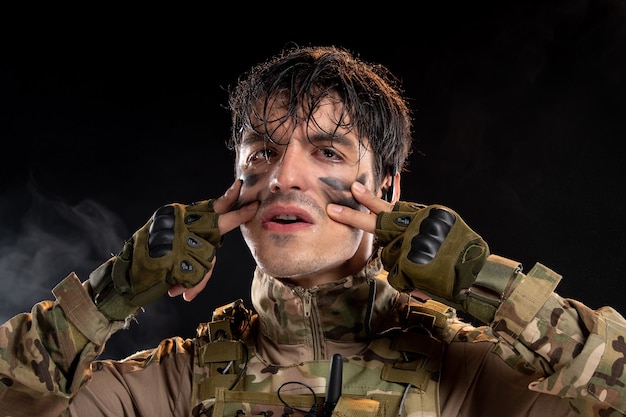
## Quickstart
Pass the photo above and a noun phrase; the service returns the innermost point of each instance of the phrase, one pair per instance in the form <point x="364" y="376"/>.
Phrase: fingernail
<point x="335" y="208"/>
<point x="358" y="187"/>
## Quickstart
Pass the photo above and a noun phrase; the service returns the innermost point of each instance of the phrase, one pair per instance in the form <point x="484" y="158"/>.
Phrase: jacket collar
<point x="335" y="311"/>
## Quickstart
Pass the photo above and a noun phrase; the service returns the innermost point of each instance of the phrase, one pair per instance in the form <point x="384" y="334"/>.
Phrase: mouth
<point x="286" y="217"/>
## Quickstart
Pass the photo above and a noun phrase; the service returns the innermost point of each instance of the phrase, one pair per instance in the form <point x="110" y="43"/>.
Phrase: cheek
<point x="250" y="180"/>
<point x="337" y="190"/>
<point x="250" y="189"/>
<point x="252" y="175"/>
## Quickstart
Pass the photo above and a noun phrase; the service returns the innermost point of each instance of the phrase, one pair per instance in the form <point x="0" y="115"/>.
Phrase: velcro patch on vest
<point x="357" y="407"/>
<point x="403" y="372"/>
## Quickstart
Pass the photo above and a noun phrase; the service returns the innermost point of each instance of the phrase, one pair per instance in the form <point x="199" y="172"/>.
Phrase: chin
<point x="292" y="257"/>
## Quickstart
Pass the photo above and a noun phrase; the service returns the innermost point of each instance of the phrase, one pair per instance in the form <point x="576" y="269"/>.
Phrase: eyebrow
<point x="251" y="138"/>
<point x="341" y="140"/>
<point x="254" y="137"/>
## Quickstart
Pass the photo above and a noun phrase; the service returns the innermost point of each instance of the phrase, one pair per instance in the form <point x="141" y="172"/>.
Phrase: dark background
<point x="520" y="118"/>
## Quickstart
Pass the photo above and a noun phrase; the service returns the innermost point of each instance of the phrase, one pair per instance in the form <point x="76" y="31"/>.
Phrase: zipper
<point x="311" y="313"/>
<point x="306" y="303"/>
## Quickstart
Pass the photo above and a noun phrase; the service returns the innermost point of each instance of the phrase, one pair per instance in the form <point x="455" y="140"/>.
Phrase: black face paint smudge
<point x="335" y="184"/>
<point x="338" y="192"/>
<point x="251" y="180"/>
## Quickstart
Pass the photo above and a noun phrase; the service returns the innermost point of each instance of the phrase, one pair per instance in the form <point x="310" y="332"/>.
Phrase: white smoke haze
<point x="43" y="239"/>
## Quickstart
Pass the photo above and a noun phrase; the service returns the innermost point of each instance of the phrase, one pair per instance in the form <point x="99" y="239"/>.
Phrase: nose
<point x="289" y="172"/>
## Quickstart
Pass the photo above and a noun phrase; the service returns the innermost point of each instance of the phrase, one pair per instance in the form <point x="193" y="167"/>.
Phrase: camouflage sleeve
<point x="581" y="352"/>
<point x="46" y="355"/>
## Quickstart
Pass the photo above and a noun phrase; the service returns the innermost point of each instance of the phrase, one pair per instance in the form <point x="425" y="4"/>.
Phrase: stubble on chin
<point x="281" y="240"/>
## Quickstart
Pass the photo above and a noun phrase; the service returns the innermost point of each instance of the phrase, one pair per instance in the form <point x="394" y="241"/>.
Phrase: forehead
<point x="278" y="119"/>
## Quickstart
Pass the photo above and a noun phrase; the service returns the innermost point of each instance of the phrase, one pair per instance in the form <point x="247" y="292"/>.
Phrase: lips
<point x="277" y="217"/>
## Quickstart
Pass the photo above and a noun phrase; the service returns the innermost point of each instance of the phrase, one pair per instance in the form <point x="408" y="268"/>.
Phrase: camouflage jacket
<point x="542" y="356"/>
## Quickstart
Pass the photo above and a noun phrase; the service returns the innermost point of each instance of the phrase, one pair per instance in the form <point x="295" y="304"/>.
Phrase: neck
<point x="353" y="266"/>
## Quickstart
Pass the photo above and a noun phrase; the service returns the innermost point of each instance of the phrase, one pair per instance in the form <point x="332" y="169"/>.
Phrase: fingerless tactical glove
<point x="176" y="246"/>
<point x="432" y="249"/>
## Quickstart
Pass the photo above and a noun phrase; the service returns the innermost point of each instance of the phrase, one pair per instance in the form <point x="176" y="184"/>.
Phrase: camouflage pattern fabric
<point x="587" y="368"/>
<point x="292" y="344"/>
<point x="46" y="356"/>
<point x="566" y="349"/>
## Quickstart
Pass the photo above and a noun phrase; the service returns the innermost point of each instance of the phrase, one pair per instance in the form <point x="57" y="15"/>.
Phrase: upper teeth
<point x="286" y="217"/>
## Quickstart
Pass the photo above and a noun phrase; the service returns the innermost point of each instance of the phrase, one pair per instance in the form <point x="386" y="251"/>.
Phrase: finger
<point x="226" y="201"/>
<point x="364" y="196"/>
<point x="187" y="293"/>
<point x="191" y="293"/>
<point x="358" y="219"/>
<point x="232" y="219"/>
<point x="351" y="217"/>
<point x="176" y="290"/>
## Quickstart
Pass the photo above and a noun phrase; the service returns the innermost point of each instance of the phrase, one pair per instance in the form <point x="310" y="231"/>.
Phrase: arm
<point x="580" y="351"/>
<point x="46" y="355"/>
<point x="583" y="349"/>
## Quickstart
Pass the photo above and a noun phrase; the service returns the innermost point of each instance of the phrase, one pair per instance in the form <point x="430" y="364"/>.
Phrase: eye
<point x="264" y="154"/>
<point x="329" y="153"/>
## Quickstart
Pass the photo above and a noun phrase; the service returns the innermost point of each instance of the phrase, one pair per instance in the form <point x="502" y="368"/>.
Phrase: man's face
<point x="307" y="164"/>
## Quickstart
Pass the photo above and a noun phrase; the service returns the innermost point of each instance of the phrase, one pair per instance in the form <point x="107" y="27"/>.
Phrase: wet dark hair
<point x="303" y="76"/>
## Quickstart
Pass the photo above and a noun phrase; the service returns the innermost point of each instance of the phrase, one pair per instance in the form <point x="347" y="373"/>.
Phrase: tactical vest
<point x="398" y="374"/>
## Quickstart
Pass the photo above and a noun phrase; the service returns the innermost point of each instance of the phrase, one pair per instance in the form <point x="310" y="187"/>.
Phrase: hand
<point x="427" y="248"/>
<point x="227" y="221"/>
<point x="175" y="250"/>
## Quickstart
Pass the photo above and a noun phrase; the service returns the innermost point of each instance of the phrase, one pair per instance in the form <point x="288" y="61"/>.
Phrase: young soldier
<point x="354" y="295"/>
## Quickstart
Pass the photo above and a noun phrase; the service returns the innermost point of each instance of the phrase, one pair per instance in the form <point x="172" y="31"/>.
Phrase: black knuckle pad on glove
<point x="436" y="252"/>
<point x="432" y="232"/>
<point x="161" y="232"/>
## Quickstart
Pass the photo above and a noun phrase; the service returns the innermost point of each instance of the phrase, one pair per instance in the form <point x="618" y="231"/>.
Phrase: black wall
<point x="520" y="116"/>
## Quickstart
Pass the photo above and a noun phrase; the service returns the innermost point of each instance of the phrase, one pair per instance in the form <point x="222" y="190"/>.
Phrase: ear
<point x="391" y="187"/>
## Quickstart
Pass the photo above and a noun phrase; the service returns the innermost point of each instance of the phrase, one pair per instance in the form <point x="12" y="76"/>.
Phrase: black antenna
<point x="333" y="388"/>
